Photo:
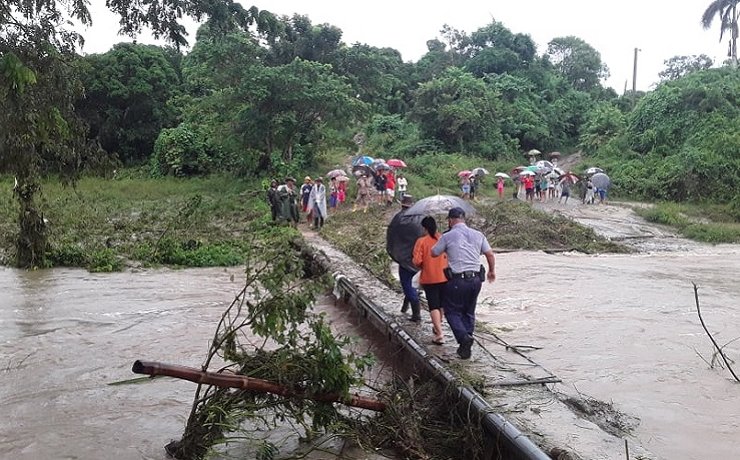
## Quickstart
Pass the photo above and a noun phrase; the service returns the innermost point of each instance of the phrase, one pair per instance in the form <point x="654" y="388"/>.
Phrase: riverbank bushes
<point x="109" y="224"/>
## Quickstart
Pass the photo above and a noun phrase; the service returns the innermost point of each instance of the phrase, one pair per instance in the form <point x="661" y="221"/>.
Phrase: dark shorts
<point x="435" y="295"/>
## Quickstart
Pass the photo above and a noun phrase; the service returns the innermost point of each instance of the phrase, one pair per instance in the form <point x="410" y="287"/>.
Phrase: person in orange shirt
<point x="432" y="277"/>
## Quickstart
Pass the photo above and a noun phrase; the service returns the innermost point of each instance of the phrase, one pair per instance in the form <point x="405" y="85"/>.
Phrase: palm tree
<point x="728" y="12"/>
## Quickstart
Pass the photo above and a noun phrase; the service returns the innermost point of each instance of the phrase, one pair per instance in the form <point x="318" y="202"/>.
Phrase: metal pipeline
<point x="514" y="441"/>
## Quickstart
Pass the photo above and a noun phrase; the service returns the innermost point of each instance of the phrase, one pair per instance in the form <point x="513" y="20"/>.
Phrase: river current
<point x="620" y="328"/>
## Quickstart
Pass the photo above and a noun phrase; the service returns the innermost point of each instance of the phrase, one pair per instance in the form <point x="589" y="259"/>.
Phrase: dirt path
<point x="619" y="222"/>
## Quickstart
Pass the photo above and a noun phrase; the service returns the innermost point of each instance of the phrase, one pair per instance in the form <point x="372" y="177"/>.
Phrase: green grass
<point x="706" y="223"/>
<point x="105" y="224"/>
<point x="517" y="225"/>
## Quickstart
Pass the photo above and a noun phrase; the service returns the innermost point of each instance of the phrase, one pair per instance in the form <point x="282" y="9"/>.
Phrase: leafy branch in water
<point x="270" y="332"/>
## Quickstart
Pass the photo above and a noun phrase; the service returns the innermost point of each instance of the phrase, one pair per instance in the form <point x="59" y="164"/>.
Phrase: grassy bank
<point x="706" y="223"/>
<point x="105" y="225"/>
<point x="509" y="225"/>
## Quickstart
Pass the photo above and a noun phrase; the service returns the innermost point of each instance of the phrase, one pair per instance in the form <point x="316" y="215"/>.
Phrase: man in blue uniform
<point x="463" y="247"/>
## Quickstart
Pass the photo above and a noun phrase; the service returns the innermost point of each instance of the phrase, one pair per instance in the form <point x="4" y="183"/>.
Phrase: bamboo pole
<point x="249" y="383"/>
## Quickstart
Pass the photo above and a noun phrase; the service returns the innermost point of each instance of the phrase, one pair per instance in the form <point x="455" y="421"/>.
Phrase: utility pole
<point x="634" y="73"/>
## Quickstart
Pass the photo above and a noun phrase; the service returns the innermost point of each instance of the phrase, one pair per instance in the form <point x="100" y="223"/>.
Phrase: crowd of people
<point x="543" y="188"/>
<point x="317" y="200"/>
<point x="446" y="265"/>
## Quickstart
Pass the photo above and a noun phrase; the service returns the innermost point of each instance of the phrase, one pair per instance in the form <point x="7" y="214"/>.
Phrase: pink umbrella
<point x="464" y="173"/>
<point x="396" y="163"/>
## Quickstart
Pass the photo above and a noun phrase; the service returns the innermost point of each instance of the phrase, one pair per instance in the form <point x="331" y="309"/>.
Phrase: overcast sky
<point x="661" y="29"/>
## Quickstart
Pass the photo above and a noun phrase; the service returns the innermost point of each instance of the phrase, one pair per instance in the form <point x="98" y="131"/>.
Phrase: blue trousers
<point x="461" y="295"/>
<point x="408" y="290"/>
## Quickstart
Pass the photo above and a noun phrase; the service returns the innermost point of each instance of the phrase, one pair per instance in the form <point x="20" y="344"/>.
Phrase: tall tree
<point x="126" y="94"/>
<point x="39" y="130"/>
<point x="495" y="49"/>
<point x="678" y="66"/>
<point x="578" y="62"/>
<point x="728" y="12"/>
<point x="286" y="107"/>
<point x="460" y="111"/>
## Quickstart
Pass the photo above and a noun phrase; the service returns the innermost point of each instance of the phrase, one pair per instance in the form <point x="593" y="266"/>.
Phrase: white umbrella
<point x="480" y="172"/>
<point x="594" y="170"/>
<point x="439" y="204"/>
<point x="527" y="172"/>
<point x="544" y="166"/>
<point x="504" y="175"/>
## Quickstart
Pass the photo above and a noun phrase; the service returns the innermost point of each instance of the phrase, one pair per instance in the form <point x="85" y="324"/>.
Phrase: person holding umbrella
<point x="463" y="247"/>
<point x="400" y="238"/>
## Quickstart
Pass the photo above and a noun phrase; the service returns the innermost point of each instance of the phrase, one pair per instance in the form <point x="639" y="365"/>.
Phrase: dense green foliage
<point x="681" y="142"/>
<point x="127" y="91"/>
<point x="261" y="95"/>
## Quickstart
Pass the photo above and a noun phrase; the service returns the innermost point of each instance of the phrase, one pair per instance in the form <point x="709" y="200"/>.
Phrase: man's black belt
<point x="465" y="275"/>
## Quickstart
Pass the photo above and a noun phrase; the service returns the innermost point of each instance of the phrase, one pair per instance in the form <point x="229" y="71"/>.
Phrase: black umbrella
<point x="359" y="170"/>
<point x="439" y="204"/>
<point x="401" y="236"/>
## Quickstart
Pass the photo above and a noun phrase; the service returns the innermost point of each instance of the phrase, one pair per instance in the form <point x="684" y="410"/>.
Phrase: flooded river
<point x="624" y="329"/>
<point x="619" y="328"/>
<point x="66" y="334"/>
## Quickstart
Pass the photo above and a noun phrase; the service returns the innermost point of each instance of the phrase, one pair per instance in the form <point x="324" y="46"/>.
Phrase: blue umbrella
<point x="363" y="160"/>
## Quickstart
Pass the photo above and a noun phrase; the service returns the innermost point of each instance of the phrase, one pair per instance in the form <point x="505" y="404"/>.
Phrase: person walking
<point x="288" y="196"/>
<point x="465" y="187"/>
<point x="500" y="188"/>
<point x="380" y="185"/>
<point x="403" y="184"/>
<point x="463" y="246"/>
<point x="273" y="199"/>
<point x="333" y="194"/>
<point x="305" y="193"/>
<point x="317" y="203"/>
<point x="401" y="236"/>
<point x="432" y="278"/>
<point x="363" y="193"/>
<point x="390" y="187"/>
<point x="589" y="197"/>
<point x="564" y="190"/>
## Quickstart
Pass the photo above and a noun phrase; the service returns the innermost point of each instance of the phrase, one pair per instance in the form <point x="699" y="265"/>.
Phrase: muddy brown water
<point x="619" y="328"/>
<point x="624" y="328"/>
<point x="66" y="334"/>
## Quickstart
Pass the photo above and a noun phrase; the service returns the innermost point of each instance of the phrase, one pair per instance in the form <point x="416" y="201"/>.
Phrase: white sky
<point x="660" y="28"/>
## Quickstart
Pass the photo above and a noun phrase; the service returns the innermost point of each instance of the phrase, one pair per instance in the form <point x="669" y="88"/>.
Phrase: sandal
<point x="438" y="341"/>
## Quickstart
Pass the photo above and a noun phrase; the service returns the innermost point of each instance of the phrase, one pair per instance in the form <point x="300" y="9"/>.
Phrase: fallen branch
<point x="517" y="383"/>
<point x="248" y="383"/>
<point x="719" y="350"/>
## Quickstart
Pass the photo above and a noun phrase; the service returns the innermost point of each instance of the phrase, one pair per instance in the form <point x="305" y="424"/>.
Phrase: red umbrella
<point x="464" y="173"/>
<point x="569" y="176"/>
<point x="396" y="163"/>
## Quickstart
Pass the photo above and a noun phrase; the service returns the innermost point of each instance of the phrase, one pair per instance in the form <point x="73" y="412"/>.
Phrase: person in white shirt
<point x="402" y="184"/>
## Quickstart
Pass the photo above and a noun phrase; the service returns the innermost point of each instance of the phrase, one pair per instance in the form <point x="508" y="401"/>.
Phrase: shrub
<point x="182" y="151"/>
